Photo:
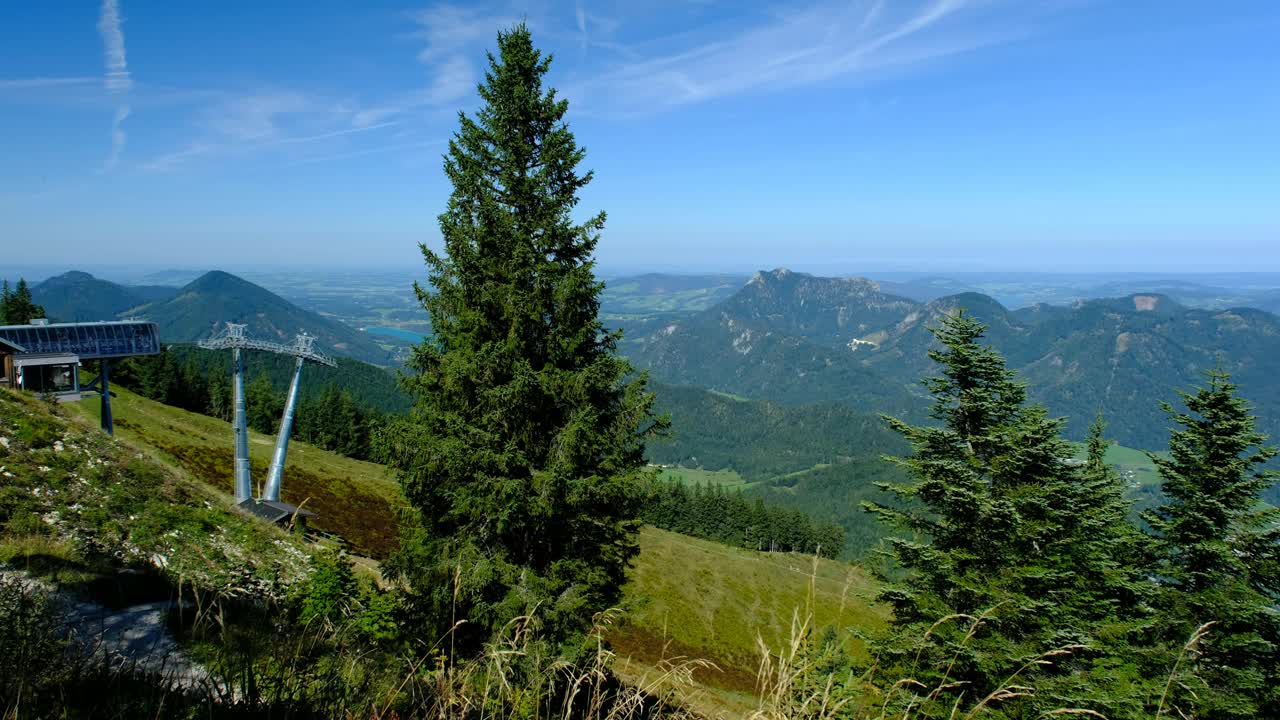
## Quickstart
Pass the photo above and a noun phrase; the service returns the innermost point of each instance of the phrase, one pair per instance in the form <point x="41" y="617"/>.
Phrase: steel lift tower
<point x="233" y="337"/>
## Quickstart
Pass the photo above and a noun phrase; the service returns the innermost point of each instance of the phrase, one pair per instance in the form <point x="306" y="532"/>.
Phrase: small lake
<point x="397" y="333"/>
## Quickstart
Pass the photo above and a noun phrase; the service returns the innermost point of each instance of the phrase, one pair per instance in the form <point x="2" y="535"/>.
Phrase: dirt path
<point x="135" y="637"/>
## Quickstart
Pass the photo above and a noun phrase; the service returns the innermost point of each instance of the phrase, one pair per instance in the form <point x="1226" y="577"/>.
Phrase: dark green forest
<point x="730" y="517"/>
<point x="16" y="304"/>
<point x="339" y="409"/>
<point x="760" y="439"/>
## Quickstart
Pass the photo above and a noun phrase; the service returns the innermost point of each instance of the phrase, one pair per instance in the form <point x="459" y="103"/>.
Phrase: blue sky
<point x="842" y="137"/>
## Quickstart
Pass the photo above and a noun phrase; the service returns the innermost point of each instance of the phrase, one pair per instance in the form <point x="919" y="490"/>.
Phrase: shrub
<point x="31" y="654"/>
<point x="25" y="522"/>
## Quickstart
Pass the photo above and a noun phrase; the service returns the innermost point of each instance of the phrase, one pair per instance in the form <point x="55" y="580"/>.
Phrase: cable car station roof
<point x="90" y="341"/>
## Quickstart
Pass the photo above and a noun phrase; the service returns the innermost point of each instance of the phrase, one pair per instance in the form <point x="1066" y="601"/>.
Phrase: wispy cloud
<point x="451" y="80"/>
<point x="450" y="41"/>
<point x="580" y="15"/>
<point x="43" y="82"/>
<point x="117" y="136"/>
<point x="397" y="147"/>
<point x="117" y="79"/>
<point x="804" y="46"/>
<point x="333" y="134"/>
<point x="254" y="117"/>
<point x="657" y="58"/>
<point x="451" y="30"/>
<point x="451" y="36"/>
<point x="170" y="160"/>
<point x="250" y="134"/>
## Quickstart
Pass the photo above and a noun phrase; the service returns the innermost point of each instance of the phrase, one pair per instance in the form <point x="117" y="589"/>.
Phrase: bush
<point x="334" y="598"/>
<point x="36" y="431"/>
<point x="25" y="522"/>
<point x="330" y="593"/>
<point x="13" y="499"/>
<point x="31" y="653"/>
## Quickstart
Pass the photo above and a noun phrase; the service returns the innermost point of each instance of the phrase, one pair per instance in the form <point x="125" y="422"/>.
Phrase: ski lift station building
<point x="47" y="358"/>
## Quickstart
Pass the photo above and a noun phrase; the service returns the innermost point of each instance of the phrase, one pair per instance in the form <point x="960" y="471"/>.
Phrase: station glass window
<point x="49" y="378"/>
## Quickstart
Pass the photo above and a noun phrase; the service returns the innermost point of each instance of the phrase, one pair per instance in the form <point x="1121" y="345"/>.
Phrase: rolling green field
<point x="715" y="598"/>
<point x="650" y="294"/>
<point x="698" y="476"/>
<point x="1135" y="465"/>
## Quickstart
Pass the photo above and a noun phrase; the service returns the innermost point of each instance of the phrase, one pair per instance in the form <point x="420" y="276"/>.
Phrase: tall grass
<point x="794" y="682"/>
<point x="254" y="664"/>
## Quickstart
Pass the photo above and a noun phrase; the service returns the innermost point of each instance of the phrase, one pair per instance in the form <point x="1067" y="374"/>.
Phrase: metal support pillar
<point x="276" y="474"/>
<point x="303" y="348"/>
<point x="104" y="371"/>
<point x="239" y="425"/>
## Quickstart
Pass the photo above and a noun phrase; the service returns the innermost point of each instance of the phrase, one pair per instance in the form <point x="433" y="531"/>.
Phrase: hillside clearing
<point x="354" y="499"/>
<point x="698" y="476"/>
<point x="717" y="599"/>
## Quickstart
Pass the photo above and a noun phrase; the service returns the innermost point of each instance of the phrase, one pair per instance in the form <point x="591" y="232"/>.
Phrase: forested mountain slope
<point x="373" y="386"/>
<point x="199" y="308"/>
<point x="797" y="339"/>
<point x="760" y="439"/>
<point x="80" y="297"/>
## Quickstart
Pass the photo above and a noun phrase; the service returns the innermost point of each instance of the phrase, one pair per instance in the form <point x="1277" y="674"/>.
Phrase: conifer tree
<point x="17" y="306"/>
<point x="1110" y="553"/>
<point x="524" y="452"/>
<point x="263" y="405"/>
<point x="1219" y="551"/>
<point x="949" y="501"/>
<point x="991" y="528"/>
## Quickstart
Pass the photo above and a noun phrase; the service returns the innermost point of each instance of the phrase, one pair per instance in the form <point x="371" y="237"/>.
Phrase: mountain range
<point x="793" y="338"/>
<point x="198" y="309"/>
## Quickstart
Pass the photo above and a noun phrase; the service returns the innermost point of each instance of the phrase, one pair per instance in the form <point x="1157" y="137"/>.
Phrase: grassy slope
<point x="354" y="499"/>
<point x="698" y="476"/>
<point x="699" y="599"/>
<point x="715" y="599"/>
<point x="77" y="506"/>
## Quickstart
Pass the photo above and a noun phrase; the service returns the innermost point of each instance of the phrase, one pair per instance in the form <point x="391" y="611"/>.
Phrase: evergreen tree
<point x="159" y="378"/>
<point x="524" y="452"/>
<point x="1111" y="552"/>
<point x="221" y="398"/>
<point x="17" y="307"/>
<point x="335" y="421"/>
<point x="1219" y="551"/>
<point x="950" y="503"/>
<point x="263" y="405"/>
<point x="990" y="514"/>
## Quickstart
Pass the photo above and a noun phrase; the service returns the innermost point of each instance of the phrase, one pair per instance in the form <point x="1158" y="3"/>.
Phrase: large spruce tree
<point x="993" y="528"/>
<point x="524" y="453"/>
<point x="1219" y="550"/>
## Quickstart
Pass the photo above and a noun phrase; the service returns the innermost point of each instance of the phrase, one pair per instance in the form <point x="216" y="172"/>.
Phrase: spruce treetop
<point x="1213" y="480"/>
